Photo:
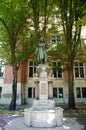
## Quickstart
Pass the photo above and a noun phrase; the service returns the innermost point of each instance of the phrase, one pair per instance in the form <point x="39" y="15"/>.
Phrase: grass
<point x="4" y="109"/>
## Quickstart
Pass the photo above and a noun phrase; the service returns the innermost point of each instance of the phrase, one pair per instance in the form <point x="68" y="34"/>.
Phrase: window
<point x="81" y="92"/>
<point x="32" y="68"/>
<point x="57" y="92"/>
<point x="79" y="70"/>
<point x="55" y="39"/>
<point x="0" y="91"/>
<point x="1" y="68"/>
<point x="31" y="92"/>
<point x="78" y="94"/>
<point x="54" y="19"/>
<point x="57" y="69"/>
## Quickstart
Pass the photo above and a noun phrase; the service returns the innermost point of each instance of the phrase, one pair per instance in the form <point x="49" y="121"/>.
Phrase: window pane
<point x="31" y="72"/>
<point x="80" y="64"/>
<point x="0" y="91"/>
<point x="57" y="70"/>
<point x="34" y="69"/>
<point x="76" y="63"/>
<point x="54" y="63"/>
<point x="29" y="92"/>
<point x="59" y="74"/>
<point x="84" y="92"/>
<point x="76" y="73"/>
<point x="31" y="63"/>
<point x="54" y="69"/>
<point x="1" y="71"/>
<point x="55" y="39"/>
<point x="33" y="92"/>
<point x="2" y="68"/>
<point x="54" y="92"/>
<point x="35" y="64"/>
<point x="78" y="94"/>
<point x="60" y="92"/>
<point x="55" y="74"/>
<point x="81" y="73"/>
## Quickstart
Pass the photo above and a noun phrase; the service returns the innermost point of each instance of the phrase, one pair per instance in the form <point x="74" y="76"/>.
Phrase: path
<point x="4" y="119"/>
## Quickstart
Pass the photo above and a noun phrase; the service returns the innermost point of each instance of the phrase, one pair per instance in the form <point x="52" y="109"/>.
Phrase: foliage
<point x="14" y="18"/>
<point x="41" y="13"/>
<point x="4" y="110"/>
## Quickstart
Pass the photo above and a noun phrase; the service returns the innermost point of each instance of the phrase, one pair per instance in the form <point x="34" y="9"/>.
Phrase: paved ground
<point x="79" y="114"/>
<point x="68" y="124"/>
<point x="5" y="119"/>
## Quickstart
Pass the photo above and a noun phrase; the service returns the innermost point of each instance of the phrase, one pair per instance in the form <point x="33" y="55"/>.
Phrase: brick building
<point x="27" y="89"/>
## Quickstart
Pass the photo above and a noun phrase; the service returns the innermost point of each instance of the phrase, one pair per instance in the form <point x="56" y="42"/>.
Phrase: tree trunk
<point x="14" y="88"/>
<point x="23" y="94"/>
<point x="71" y="99"/>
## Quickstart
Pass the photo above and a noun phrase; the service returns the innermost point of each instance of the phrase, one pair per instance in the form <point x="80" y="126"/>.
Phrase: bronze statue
<point x="41" y="52"/>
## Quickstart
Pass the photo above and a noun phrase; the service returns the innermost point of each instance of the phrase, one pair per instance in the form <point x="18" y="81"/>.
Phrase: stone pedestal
<point x="46" y="118"/>
<point x="43" y="103"/>
<point x="43" y="112"/>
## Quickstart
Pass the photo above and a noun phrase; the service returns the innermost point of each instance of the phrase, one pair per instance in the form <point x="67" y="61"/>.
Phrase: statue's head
<point x="41" y="39"/>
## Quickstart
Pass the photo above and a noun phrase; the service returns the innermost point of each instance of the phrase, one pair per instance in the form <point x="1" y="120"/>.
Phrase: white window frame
<point x="79" y="77"/>
<point x="33" y="92"/>
<point x="57" y="72"/>
<point x="81" y="94"/>
<point x="58" y="93"/>
<point x="56" y="38"/>
<point x="2" y="68"/>
<point x="33" y="66"/>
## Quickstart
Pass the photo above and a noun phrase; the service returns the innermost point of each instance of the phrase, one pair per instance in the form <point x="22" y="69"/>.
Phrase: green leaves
<point x="13" y="29"/>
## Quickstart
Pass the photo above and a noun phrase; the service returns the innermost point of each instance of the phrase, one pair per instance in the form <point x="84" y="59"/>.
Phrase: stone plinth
<point x="43" y="113"/>
<point x="47" y="118"/>
<point x="44" y="103"/>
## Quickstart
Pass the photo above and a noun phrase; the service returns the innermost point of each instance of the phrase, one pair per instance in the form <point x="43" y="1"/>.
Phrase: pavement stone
<point x="5" y="119"/>
<point x="68" y="124"/>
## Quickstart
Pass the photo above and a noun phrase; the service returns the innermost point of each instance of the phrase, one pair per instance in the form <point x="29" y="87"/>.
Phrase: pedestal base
<point x="43" y="103"/>
<point x="47" y="118"/>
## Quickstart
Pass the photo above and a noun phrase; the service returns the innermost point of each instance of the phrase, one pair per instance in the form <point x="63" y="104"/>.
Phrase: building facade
<point x="27" y="89"/>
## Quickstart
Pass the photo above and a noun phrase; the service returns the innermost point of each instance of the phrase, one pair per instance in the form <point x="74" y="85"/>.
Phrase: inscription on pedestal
<point x="43" y="88"/>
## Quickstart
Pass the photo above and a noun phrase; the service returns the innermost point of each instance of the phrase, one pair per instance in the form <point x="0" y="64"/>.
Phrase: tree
<point x="41" y="12"/>
<point x="13" y="17"/>
<point x="71" y="12"/>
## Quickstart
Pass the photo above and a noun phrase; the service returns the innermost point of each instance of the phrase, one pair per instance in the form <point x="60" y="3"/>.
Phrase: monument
<point x="41" y="51"/>
<point x="43" y="112"/>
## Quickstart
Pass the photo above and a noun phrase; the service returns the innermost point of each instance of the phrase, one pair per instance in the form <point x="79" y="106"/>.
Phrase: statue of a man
<point x="41" y="52"/>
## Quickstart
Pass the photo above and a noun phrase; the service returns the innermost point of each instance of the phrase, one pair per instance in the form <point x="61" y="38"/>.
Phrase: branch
<point x="63" y="18"/>
<point x="6" y="27"/>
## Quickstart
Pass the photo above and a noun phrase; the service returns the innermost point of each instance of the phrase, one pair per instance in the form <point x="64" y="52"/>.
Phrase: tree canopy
<point x="18" y="19"/>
